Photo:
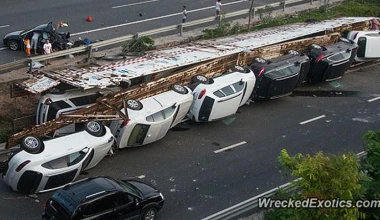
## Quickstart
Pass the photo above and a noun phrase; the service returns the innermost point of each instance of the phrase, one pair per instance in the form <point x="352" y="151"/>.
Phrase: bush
<point x="140" y="44"/>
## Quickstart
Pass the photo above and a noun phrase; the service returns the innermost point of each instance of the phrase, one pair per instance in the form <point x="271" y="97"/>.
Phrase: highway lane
<point x="107" y="16"/>
<point x="198" y="182"/>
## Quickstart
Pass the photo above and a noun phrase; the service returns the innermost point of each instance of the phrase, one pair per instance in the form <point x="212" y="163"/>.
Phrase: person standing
<point x="184" y="14"/>
<point x="27" y="46"/>
<point x="47" y="50"/>
<point x="218" y="7"/>
<point x="34" y="44"/>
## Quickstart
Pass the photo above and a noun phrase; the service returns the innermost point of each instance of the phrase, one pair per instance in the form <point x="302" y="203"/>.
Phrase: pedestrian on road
<point x="218" y="7"/>
<point x="184" y="14"/>
<point x="34" y="44"/>
<point x="47" y="50"/>
<point x="27" y="46"/>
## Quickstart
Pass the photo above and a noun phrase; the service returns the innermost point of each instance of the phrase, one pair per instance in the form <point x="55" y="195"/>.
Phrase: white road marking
<point x="4" y="26"/>
<point x="313" y="119"/>
<point x="374" y="99"/>
<point x="3" y="48"/>
<point x="152" y="19"/>
<point x="141" y="177"/>
<point x="138" y="3"/>
<point x="230" y="147"/>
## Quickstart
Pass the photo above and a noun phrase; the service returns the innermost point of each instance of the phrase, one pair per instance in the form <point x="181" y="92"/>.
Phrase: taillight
<point x="202" y="93"/>
<point x="45" y="204"/>
<point x="48" y="101"/>
<point x="125" y="123"/>
<point x="261" y="72"/>
<point x="22" y="165"/>
<point x="320" y="57"/>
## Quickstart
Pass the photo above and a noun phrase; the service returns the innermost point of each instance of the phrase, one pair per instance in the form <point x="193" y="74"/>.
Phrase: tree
<point x="325" y="178"/>
<point x="250" y="14"/>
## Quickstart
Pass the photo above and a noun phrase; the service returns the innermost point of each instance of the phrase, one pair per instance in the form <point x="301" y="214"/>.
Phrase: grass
<point x="358" y="8"/>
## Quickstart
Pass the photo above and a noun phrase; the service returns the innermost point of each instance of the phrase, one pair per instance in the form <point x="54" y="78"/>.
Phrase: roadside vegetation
<point x="351" y="8"/>
<point x="329" y="177"/>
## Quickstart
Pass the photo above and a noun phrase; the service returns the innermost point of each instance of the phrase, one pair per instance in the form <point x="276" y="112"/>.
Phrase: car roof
<point x="86" y="189"/>
<point x="223" y="81"/>
<point x="156" y="103"/>
<point x="284" y="60"/>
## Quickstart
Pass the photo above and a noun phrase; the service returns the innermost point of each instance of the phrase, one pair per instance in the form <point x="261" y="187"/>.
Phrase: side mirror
<point x="85" y="150"/>
<point x="137" y="201"/>
<point x="241" y="82"/>
<point x="348" y="50"/>
<point x="297" y="63"/>
<point x="174" y="106"/>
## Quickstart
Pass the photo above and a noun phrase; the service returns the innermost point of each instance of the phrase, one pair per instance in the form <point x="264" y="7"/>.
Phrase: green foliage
<point x="324" y="177"/>
<point x="372" y="168"/>
<point x="4" y="134"/>
<point x="140" y="44"/>
<point x="222" y="30"/>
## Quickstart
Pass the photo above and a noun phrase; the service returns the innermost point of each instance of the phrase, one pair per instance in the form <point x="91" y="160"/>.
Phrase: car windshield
<point x="24" y="32"/>
<point x="129" y="188"/>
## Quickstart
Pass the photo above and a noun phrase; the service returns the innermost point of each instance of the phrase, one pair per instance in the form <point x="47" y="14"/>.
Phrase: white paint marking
<point x="313" y="119"/>
<point x="151" y="19"/>
<point x="4" y="26"/>
<point x="374" y="99"/>
<point x="141" y="177"/>
<point x="3" y="48"/>
<point x="138" y="3"/>
<point x="230" y="147"/>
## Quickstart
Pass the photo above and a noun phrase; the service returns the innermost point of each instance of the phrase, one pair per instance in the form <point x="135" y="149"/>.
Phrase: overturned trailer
<point x="180" y="63"/>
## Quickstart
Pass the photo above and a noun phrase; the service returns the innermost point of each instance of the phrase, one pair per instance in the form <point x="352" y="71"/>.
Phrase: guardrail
<point x="89" y="48"/>
<point x="253" y="203"/>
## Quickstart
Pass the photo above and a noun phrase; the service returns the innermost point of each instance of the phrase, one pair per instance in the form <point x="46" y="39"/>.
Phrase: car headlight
<point x="162" y="196"/>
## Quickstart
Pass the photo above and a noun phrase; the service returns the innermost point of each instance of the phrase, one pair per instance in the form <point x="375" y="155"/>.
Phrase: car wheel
<point x="149" y="214"/>
<point x="200" y="79"/>
<point x="180" y="89"/>
<point x="240" y="69"/>
<point x="260" y="60"/>
<point x="32" y="145"/>
<point x="315" y="46"/>
<point x="56" y="91"/>
<point x="94" y="128"/>
<point x="134" y="104"/>
<point x="293" y="52"/>
<point x="13" y="45"/>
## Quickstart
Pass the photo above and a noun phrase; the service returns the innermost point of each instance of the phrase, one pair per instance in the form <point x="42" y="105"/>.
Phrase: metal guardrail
<point x="169" y="28"/>
<point x="253" y="203"/>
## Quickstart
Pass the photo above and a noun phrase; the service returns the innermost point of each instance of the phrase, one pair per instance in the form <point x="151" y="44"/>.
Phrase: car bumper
<point x="160" y="205"/>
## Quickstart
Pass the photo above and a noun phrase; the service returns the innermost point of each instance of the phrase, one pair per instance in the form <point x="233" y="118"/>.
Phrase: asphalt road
<point x="198" y="182"/>
<point x="110" y="18"/>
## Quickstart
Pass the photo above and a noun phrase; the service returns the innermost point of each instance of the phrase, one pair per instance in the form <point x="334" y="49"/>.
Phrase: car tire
<point x="134" y="104"/>
<point x="95" y="128"/>
<point x="32" y="144"/>
<point x="149" y="214"/>
<point x="260" y="60"/>
<point x="56" y="91"/>
<point x="180" y="89"/>
<point x="240" y="69"/>
<point x="315" y="46"/>
<point x="293" y="52"/>
<point x="13" y="45"/>
<point x="200" y="79"/>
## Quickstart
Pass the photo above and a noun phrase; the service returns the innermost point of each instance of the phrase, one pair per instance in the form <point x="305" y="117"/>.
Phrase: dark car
<point x="330" y="62"/>
<point x="280" y="76"/>
<point x="59" y="41"/>
<point x="105" y="198"/>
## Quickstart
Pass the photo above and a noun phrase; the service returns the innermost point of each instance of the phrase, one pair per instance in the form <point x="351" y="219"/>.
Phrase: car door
<point x="101" y="208"/>
<point x="127" y="206"/>
<point x="65" y="169"/>
<point x="227" y="103"/>
<point x="159" y="124"/>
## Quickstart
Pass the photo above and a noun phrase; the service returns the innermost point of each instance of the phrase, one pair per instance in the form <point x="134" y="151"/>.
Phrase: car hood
<point x="13" y="34"/>
<point x="145" y="189"/>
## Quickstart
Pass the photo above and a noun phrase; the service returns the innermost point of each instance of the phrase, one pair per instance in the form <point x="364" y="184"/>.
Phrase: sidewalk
<point x="161" y="42"/>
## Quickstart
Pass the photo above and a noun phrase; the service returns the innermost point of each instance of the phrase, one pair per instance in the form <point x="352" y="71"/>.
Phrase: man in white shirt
<point x="218" y="7"/>
<point x="184" y="14"/>
<point x="47" y="50"/>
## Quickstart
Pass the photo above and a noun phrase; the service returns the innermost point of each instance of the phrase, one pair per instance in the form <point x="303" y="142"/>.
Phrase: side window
<point x="123" y="199"/>
<point x="54" y="107"/>
<point x="138" y="134"/>
<point x="289" y="70"/>
<point x="238" y="86"/>
<point x="85" y="100"/>
<point x="339" y="56"/>
<point x="100" y="205"/>
<point x="65" y="161"/>
<point x="168" y="111"/>
<point x="219" y="94"/>
<point x="227" y="90"/>
<point x="158" y="116"/>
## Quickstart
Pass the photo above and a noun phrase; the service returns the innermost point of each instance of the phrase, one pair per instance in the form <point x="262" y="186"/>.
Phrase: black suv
<point x="105" y="198"/>
<point x="280" y="76"/>
<point x="330" y="62"/>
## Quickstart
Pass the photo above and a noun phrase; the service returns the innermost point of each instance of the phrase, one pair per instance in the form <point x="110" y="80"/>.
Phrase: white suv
<point x="221" y="96"/>
<point x="368" y="42"/>
<point x="151" y="118"/>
